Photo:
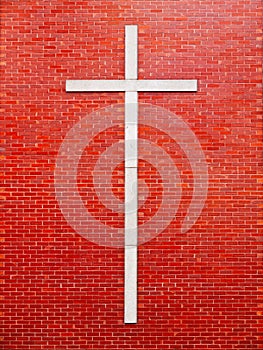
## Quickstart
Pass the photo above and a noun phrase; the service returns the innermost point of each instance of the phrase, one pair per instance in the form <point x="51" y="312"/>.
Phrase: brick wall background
<point x="197" y="290"/>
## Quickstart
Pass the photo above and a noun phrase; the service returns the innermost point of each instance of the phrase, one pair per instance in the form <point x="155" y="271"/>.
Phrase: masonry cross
<point x="131" y="86"/>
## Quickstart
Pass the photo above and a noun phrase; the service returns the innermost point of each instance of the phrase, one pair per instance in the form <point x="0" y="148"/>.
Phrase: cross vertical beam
<point x="131" y="177"/>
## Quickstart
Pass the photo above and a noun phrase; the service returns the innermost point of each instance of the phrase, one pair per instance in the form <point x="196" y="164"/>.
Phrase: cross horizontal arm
<point x="131" y="85"/>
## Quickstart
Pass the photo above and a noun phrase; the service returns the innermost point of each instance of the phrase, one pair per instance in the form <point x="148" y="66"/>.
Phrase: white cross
<point x="131" y="85"/>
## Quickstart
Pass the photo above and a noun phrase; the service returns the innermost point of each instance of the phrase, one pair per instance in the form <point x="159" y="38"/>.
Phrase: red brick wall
<point x="197" y="290"/>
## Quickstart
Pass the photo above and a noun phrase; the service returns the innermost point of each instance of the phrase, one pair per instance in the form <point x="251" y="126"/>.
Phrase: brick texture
<point x="197" y="290"/>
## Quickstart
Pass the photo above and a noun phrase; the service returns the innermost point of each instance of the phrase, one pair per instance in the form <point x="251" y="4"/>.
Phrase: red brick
<point x="198" y="290"/>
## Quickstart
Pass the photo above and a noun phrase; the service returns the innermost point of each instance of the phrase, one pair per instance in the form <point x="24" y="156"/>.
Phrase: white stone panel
<point x="131" y="206"/>
<point x="131" y="151"/>
<point x="131" y="85"/>
<point x="167" y="85"/>
<point x="131" y="106"/>
<point x="131" y="52"/>
<point x="130" y="287"/>
<point x="131" y="129"/>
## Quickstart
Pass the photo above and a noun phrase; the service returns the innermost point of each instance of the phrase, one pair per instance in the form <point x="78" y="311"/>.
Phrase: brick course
<point x="197" y="290"/>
